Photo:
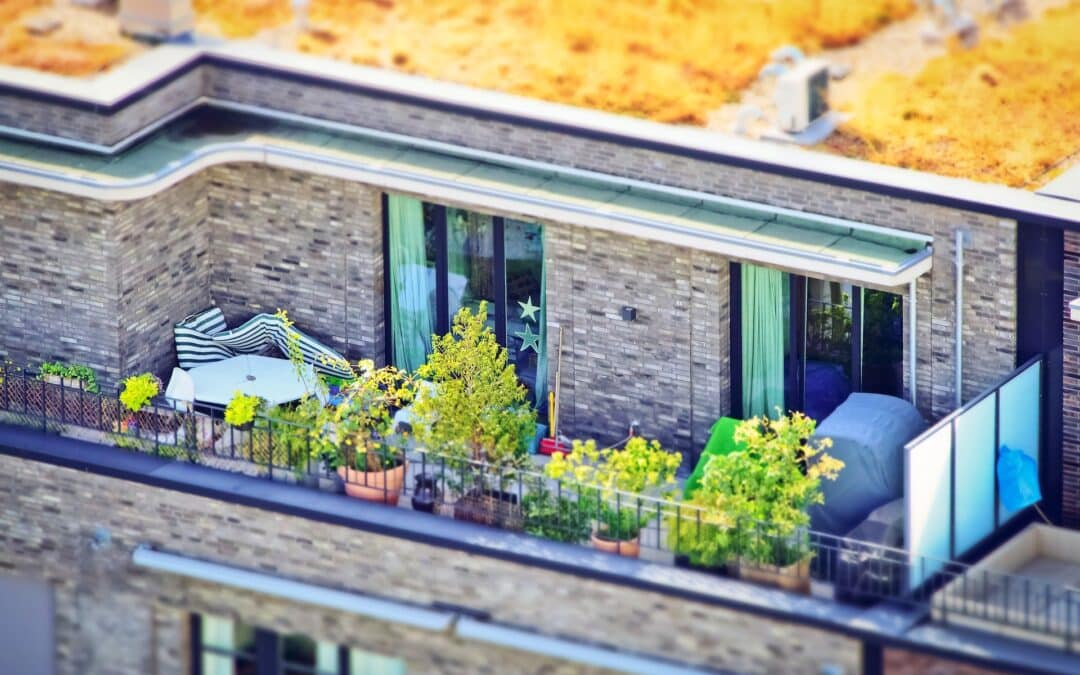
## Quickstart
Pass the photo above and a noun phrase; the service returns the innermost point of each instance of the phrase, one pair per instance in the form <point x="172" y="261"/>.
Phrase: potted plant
<point x="364" y="451"/>
<point x="557" y="518"/>
<point x="74" y="376"/>
<point x="478" y="417"/>
<point x="612" y="482"/>
<point x="751" y="506"/>
<point x="136" y="394"/>
<point x="242" y="410"/>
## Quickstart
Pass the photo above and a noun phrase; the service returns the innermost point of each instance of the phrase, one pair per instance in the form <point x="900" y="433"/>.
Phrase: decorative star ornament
<point x="529" y="339"/>
<point x="529" y="310"/>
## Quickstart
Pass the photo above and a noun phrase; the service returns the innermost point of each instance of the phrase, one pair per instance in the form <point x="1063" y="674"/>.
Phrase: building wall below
<point x="1070" y="451"/>
<point x="114" y="618"/>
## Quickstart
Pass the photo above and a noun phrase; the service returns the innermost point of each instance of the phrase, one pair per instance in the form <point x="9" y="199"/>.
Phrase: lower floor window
<point x="226" y="647"/>
<point x="806" y="344"/>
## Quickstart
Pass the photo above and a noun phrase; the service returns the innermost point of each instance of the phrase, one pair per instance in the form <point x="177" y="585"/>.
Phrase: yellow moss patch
<point x="1006" y="111"/>
<point x="242" y="18"/>
<point x="668" y="60"/>
<point x="85" y="43"/>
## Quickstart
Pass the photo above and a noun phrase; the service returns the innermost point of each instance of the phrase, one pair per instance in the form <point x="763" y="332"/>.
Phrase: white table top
<point x="274" y="380"/>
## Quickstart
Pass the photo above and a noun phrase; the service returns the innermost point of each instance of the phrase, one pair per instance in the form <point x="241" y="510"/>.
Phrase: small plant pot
<point x="383" y="487"/>
<point x="627" y="548"/>
<point x="72" y="383"/>
<point x="54" y="379"/>
<point x="794" y="577"/>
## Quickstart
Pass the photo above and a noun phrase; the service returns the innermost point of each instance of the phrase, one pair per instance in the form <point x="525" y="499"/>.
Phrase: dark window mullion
<point x="442" y="270"/>
<point x="735" y="347"/>
<point x="798" y="308"/>
<point x="856" y="338"/>
<point x="195" y="626"/>
<point x="344" y="667"/>
<point x="267" y="652"/>
<point x="499" y="282"/>
<point x="388" y="329"/>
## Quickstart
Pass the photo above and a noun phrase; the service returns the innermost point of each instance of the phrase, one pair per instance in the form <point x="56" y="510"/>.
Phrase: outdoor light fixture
<point x="629" y="313"/>
<point x="1074" y="309"/>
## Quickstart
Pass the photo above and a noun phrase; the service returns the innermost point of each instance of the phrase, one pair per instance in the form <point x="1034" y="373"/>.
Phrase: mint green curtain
<point x="763" y="313"/>
<point x="541" y="386"/>
<point x="412" y="283"/>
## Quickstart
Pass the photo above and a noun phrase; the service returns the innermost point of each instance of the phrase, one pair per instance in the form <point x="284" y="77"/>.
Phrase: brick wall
<point x="113" y="618"/>
<point x="1070" y="402"/>
<point x="57" y="288"/>
<point x="667" y="369"/>
<point x="309" y="244"/>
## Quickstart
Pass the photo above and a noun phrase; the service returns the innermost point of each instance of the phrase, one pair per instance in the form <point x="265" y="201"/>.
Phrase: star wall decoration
<point x="529" y="310"/>
<point x="529" y="339"/>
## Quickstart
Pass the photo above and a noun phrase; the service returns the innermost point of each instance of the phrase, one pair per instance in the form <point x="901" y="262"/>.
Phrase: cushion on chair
<point x="721" y="442"/>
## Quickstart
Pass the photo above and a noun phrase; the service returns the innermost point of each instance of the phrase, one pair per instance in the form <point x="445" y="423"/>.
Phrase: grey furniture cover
<point x="204" y="338"/>
<point x="868" y="432"/>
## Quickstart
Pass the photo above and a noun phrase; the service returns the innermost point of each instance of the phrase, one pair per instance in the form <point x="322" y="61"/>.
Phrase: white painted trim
<point x="395" y="179"/>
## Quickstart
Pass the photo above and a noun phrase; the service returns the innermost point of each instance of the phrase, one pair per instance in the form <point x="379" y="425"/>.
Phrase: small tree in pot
<point x="479" y="414"/>
<point x="362" y="451"/>
<point x="612" y="482"/>
<point x="752" y="505"/>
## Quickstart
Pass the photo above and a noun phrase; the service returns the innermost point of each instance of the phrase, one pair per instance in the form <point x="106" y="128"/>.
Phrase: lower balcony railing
<point x="526" y="500"/>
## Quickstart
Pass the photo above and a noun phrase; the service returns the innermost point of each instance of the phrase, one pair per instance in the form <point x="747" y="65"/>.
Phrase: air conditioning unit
<point x="156" y="19"/>
<point x="802" y="95"/>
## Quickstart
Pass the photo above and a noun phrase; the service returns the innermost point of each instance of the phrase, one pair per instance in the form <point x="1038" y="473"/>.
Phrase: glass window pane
<point x="298" y="650"/>
<point x="526" y="314"/>
<point x="327" y="656"/>
<point x="412" y="279"/>
<point x="1019" y="428"/>
<point x="368" y="663"/>
<point x="217" y="632"/>
<point x="302" y="655"/>
<point x="217" y="664"/>
<point x="882" y="343"/>
<point x="244" y="636"/>
<point x="470" y="261"/>
<point x="828" y="346"/>
<point x="975" y="460"/>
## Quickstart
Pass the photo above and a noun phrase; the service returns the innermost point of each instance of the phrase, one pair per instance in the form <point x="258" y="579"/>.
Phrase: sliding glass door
<point x="806" y="344"/>
<point x="440" y="259"/>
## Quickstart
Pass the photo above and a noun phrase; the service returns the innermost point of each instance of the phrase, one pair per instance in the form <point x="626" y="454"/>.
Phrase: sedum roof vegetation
<point x="1006" y="111"/>
<point x="666" y="60"/>
<point x="85" y="43"/>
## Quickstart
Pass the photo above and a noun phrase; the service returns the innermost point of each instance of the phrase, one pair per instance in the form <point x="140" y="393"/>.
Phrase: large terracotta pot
<point x="383" y="487"/>
<point x="629" y="548"/>
<point x="794" y="577"/>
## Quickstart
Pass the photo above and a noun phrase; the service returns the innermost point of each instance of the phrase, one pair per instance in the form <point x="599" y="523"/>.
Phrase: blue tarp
<point x="868" y="432"/>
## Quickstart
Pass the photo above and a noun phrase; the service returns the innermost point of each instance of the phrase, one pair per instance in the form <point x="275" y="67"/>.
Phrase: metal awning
<point x="810" y="244"/>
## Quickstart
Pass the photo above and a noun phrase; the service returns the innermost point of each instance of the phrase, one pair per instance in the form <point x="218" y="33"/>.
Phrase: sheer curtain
<point x="763" y="310"/>
<point x="412" y="283"/>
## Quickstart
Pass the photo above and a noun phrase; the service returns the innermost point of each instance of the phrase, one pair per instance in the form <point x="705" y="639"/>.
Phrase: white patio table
<point x="274" y="380"/>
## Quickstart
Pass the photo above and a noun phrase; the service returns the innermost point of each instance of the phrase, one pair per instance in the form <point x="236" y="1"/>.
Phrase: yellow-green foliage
<point x="85" y="44"/>
<point x="242" y="409"/>
<point x="1006" y="111"/>
<point x="752" y="503"/>
<point x="364" y="418"/>
<point x="479" y="410"/>
<point x="611" y="482"/>
<point x="139" y="390"/>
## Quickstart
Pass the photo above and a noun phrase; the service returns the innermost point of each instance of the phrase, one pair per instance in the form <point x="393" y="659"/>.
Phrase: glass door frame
<point x="795" y="369"/>
<point x="442" y="266"/>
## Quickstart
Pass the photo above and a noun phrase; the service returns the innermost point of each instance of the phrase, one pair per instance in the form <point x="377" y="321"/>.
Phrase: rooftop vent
<point x="156" y="20"/>
<point x="802" y="95"/>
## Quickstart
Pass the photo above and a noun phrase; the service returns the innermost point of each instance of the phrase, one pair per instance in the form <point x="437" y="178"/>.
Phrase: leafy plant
<point x="479" y="411"/>
<point x="242" y="409"/>
<point x="556" y="518"/>
<point x="139" y="390"/>
<point x="611" y="481"/>
<point x="363" y="420"/>
<point x="84" y="374"/>
<point x="752" y="505"/>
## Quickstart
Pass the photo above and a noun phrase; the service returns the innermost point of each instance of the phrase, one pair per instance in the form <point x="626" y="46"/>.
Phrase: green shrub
<point x="84" y="374"/>
<point x="139" y="390"/>
<point x="242" y="409"/>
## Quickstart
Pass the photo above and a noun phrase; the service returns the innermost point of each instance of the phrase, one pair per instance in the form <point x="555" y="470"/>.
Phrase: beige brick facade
<point x="111" y="617"/>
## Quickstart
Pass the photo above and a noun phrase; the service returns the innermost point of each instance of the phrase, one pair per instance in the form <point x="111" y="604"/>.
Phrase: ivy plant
<point x="74" y="371"/>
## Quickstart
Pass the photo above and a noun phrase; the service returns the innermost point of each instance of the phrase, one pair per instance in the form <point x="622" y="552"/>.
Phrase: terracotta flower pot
<point x="794" y="577"/>
<point x="383" y="487"/>
<point x="627" y="548"/>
